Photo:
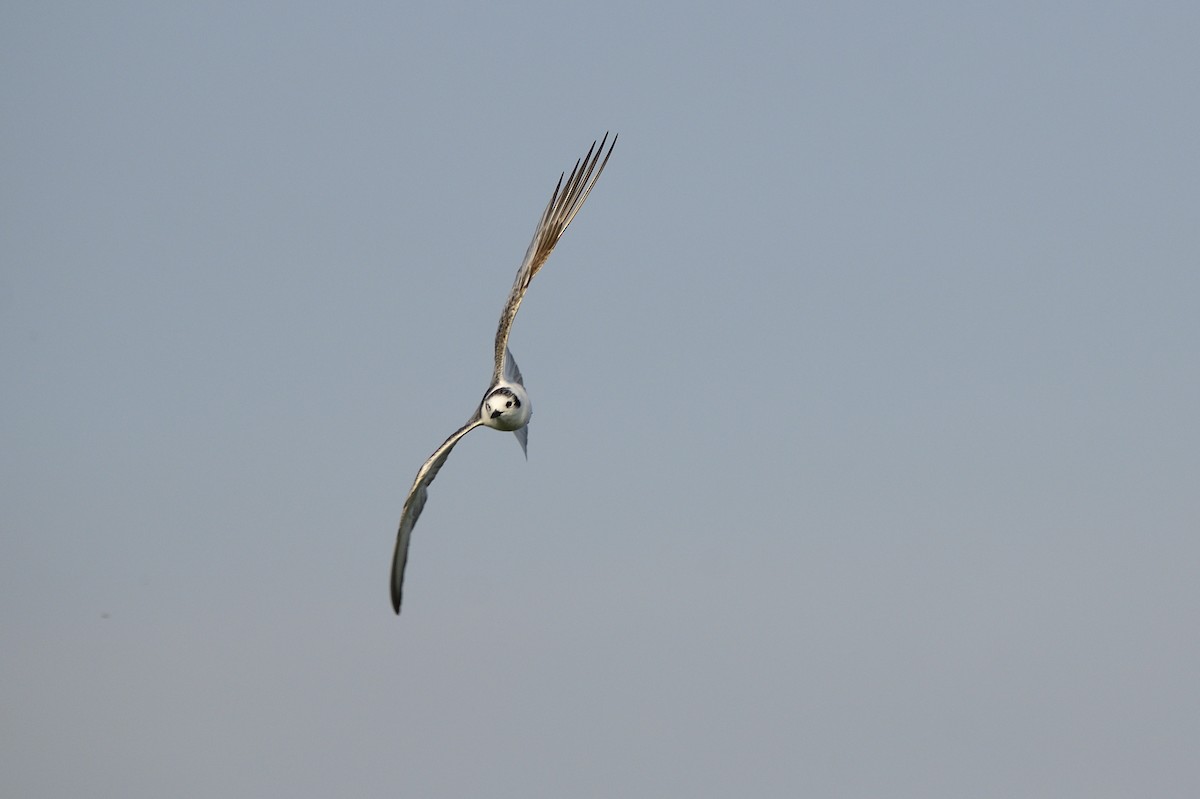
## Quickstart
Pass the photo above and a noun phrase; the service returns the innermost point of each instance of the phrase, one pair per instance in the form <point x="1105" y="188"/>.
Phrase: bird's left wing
<point x="416" y="503"/>
<point x="564" y="204"/>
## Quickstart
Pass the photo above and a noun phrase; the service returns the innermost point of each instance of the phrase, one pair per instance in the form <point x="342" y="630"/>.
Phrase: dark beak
<point x="496" y="414"/>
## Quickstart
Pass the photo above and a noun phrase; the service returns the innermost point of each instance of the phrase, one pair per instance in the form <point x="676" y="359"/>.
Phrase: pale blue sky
<point x="866" y="446"/>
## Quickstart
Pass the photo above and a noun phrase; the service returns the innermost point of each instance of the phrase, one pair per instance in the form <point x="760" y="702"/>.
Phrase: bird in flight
<point x="505" y="405"/>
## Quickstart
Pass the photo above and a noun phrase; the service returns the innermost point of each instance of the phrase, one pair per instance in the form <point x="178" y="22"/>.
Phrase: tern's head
<point x="506" y="408"/>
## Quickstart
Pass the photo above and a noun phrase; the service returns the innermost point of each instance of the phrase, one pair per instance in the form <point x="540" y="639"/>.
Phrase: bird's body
<point x="505" y="405"/>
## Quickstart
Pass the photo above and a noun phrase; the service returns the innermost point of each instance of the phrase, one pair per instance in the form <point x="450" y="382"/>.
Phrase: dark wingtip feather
<point x="396" y="592"/>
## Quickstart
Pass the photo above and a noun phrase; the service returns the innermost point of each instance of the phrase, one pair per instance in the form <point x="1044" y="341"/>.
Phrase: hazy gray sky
<point x="866" y="451"/>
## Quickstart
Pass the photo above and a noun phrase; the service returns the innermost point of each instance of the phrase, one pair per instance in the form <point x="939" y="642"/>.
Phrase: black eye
<point x="508" y="404"/>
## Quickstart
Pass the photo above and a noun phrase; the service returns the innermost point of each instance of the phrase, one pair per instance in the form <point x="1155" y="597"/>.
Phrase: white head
<point x="506" y="407"/>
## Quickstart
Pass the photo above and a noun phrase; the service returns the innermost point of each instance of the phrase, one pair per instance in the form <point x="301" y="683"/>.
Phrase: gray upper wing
<point x="512" y="373"/>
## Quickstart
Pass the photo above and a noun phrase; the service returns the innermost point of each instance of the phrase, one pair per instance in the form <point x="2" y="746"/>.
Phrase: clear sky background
<point x="866" y="451"/>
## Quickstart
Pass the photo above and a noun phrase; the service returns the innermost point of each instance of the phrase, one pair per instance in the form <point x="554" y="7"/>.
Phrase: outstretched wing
<point x="564" y="204"/>
<point x="416" y="503"/>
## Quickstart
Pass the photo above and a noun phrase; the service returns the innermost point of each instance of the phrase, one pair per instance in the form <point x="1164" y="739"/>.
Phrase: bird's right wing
<point x="416" y="503"/>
